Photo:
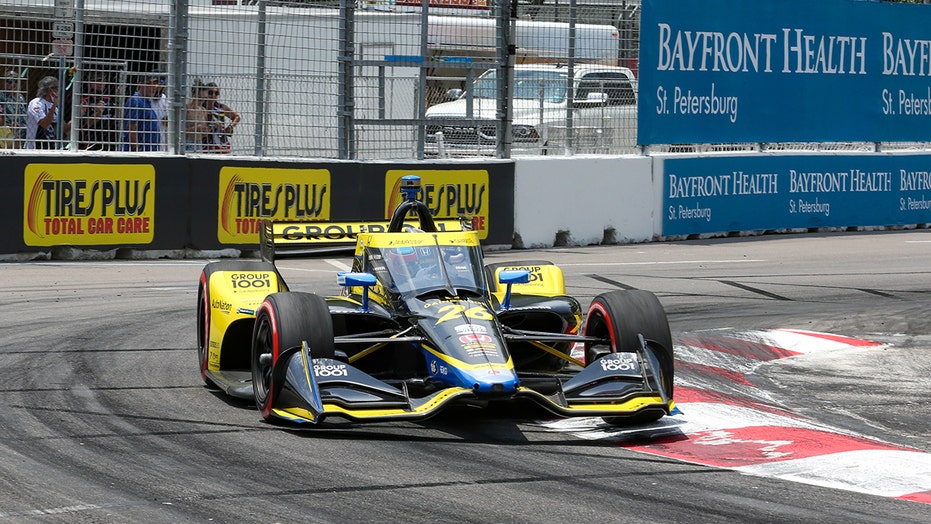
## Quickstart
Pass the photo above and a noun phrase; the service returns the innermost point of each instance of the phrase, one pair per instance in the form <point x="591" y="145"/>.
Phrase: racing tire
<point x="283" y="321"/>
<point x="203" y="303"/>
<point x="623" y="314"/>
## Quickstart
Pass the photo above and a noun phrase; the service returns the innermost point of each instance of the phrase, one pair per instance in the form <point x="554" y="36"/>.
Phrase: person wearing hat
<point x="13" y="104"/>
<point x="142" y="125"/>
<point x="42" y="116"/>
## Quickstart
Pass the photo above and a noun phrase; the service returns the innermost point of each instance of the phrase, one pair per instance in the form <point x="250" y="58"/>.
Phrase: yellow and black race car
<point x="423" y="324"/>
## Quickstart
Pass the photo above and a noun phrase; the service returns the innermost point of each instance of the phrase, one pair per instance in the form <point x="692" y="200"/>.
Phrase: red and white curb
<point x="726" y="422"/>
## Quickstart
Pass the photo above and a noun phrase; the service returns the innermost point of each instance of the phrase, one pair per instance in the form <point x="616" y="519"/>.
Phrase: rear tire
<point x="203" y="303"/>
<point x="283" y="321"/>
<point x="623" y="314"/>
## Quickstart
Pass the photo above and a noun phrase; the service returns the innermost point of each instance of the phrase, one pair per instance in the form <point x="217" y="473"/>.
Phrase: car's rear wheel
<point x="203" y="304"/>
<point x="283" y="321"/>
<point x="620" y="316"/>
<point x="203" y="324"/>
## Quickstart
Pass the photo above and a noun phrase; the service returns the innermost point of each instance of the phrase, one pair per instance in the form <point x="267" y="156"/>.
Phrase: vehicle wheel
<point x="622" y="315"/>
<point x="203" y="303"/>
<point x="283" y="321"/>
<point x="203" y="324"/>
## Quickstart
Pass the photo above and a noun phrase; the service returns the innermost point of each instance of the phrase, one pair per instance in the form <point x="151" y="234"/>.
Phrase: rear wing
<point x="299" y="239"/>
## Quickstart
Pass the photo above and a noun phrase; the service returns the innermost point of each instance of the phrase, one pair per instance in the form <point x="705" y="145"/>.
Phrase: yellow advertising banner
<point x="88" y="204"/>
<point x="249" y="195"/>
<point x="448" y="193"/>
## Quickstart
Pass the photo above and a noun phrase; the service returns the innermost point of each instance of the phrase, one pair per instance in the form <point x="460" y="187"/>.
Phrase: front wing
<point x="315" y="389"/>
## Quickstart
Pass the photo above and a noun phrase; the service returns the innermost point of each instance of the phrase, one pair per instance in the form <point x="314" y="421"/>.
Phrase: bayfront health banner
<point x="746" y="193"/>
<point x="719" y="71"/>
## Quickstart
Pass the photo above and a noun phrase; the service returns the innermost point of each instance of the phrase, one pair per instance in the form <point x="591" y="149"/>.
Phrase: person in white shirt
<point x="42" y="116"/>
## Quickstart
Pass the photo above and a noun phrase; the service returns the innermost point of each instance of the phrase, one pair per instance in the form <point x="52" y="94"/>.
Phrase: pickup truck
<point x="604" y="113"/>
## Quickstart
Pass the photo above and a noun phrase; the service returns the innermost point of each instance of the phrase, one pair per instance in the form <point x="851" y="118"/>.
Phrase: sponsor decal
<point x="251" y="281"/>
<point x="88" y="204"/>
<point x="220" y="305"/>
<point x="470" y="328"/>
<point x="331" y="370"/>
<point x="447" y="193"/>
<point x="475" y="339"/>
<point x="340" y="231"/>
<point x="619" y="362"/>
<point x="438" y="369"/>
<point x="480" y="350"/>
<point x="248" y="195"/>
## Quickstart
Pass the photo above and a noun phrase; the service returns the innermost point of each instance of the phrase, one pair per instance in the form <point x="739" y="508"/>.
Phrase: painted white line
<point x="305" y="269"/>
<point x="338" y="264"/>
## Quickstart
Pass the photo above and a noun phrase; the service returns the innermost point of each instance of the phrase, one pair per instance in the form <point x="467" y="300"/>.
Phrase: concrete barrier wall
<point x="560" y="201"/>
<point x="583" y="201"/>
<point x="184" y="207"/>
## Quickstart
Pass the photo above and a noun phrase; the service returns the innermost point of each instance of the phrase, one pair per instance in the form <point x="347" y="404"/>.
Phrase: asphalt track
<point x="104" y="418"/>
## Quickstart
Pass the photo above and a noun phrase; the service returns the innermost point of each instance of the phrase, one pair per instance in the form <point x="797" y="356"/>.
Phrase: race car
<point x="422" y="324"/>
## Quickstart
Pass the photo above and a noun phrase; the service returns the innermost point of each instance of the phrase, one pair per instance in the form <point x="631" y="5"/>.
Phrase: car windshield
<point x="416" y="270"/>
<point x="550" y="86"/>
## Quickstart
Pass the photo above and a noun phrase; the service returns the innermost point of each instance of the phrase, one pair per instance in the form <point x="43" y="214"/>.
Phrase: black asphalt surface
<point x="104" y="417"/>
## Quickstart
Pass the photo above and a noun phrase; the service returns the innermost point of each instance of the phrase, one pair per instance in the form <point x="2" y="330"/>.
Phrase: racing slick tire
<point x="203" y="303"/>
<point x="622" y="315"/>
<point x="283" y="321"/>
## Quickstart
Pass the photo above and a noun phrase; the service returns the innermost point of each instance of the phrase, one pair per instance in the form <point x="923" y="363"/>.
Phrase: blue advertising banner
<point x="720" y="71"/>
<point x="724" y="194"/>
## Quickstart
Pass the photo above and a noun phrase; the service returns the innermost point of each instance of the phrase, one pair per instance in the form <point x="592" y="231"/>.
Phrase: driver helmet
<point x="454" y="255"/>
<point x="402" y="255"/>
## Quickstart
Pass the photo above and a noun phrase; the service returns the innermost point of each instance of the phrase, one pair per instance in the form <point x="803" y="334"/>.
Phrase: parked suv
<point x="604" y="113"/>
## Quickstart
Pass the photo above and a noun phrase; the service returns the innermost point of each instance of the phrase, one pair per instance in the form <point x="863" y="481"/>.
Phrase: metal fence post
<point x="346" y="51"/>
<point x="260" y="81"/>
<point x="505" y="56"/>
<point x="177" y="44"/>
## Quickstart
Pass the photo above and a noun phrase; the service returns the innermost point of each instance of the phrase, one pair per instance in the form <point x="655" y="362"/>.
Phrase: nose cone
<point x="494" y="380"/>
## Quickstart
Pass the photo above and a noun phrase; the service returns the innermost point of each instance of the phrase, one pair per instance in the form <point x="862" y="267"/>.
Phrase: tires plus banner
<point x="88" y="204"/>
<point x="724" y="194"/>
<point x="249" y="195"/>
<point x="784" y="71"/>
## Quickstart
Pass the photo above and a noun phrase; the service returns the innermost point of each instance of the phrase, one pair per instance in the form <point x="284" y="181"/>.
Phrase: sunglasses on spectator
<point x="212" y="92"/>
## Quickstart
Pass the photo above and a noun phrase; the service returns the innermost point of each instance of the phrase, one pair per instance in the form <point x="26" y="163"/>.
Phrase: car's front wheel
<point x="283" y="321"/>
<point x="620" y="316"/>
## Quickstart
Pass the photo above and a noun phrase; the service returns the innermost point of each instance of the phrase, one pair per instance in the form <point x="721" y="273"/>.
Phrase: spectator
<point x="142" y="126"/>
<point x="160" y="106"/>
<point x="196" y="116"/>
<point x="42" y="116"/>
<point x="221" y="121"/>
<point x="6" y="134"/>
<point x="98" y="122"/>
<point x="14" y="106"/>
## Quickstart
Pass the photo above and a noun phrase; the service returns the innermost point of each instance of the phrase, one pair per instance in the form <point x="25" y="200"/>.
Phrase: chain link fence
<point x="345" y="79"/>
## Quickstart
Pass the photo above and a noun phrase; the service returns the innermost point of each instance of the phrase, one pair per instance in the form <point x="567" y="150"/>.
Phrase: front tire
<point x="620" y="316"/>
<point x="283" y="321"/>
